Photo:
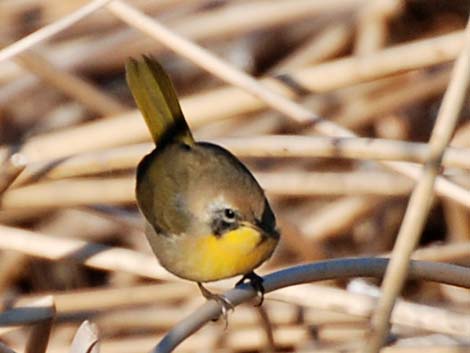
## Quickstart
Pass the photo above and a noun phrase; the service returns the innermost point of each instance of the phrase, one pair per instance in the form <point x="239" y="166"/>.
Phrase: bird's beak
<point x="265" y="231"/>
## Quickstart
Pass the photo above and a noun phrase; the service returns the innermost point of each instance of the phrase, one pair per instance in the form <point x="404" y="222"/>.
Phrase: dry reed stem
<point x="453" y="252"/>
<point x="358" y="182"/>
<point x="11" y="168"/>
<point x="319" y="78"/>
<point x="318" y="317"/>
<point x="81" y="90"/>
<point x="237" y="20"/>
<point x="88" y="254"/>
<point x="340" y="333"/>
<point x="88" y="163"/>
<point x="49" y="31"/>
<point x="15" y="216"/>
<point x="325" y="223"/>
<point x="200" y="109"/>
<point x="97" y="21"/>
<point x="296" y="242"/>
<point x="331" y="41"/>
<point x="462" y="136"/>
<point x="211" y="24"/>
<point x="406" y="313"/>
<point x="258" y="146"/>
<point x="238" y="340"/>
<point x="458" y="222"/>
<point x="322" y="146"/>
<point x="113" y="298"/>
<point x="267" y="326"/>
<point x="364" y="110"/>
<point x="421" y="198"/>
<point x="86" y="339"/>
<point x="372" y="25"/>
<point x="209" y="62"/>
<point x="253" y="339"/>
<point x="120" y="190"/>
<point x="246" y="14"/>
<point x="153" y="317"/>
<point x="352" y="70"/>
<point x="117" y="47"/>
<point x="277" y="101"/>
<point x="71" y="192"/>
<point x="457" y="217"/>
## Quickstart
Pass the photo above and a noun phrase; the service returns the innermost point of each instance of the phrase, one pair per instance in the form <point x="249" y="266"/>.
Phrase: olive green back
<point x="176" y="184"/>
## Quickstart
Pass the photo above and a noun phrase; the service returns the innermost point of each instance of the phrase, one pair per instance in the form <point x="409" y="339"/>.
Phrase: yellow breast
<point x="236" y="252"/>
<point x="210" y="258"/>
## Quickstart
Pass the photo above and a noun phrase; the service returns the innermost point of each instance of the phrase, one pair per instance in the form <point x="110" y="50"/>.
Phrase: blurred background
<point x="70" y="140"/>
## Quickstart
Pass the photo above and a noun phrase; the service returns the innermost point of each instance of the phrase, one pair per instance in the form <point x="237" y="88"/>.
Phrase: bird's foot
<point x="224" y="303"/>
<point x="257" y="284"/>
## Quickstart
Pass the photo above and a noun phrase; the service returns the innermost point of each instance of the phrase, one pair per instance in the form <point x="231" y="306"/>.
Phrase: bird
<point x="206" y="216"/>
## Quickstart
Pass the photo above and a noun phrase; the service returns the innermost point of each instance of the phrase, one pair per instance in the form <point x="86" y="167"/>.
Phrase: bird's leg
<point x="257" y="284"/>
<point x="224" y="303"/>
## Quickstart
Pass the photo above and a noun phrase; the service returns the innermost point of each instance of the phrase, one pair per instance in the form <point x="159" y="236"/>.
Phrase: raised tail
<point x="156" y="98"/>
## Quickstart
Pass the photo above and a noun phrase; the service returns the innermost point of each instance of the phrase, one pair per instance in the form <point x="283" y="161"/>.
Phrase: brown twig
<point x="279" y="146"/>
<point x="200" y="109"/>
<point x="419" y="316"/>
<point x="73" y="86"/>
<point x="11" y="169"/>
<point x="326" y="223"/>
<point x="113" y="298"/>
<point x="93" y="255"/>
<point x="453" y="252"/>
<point x="48" y="31"/>
<point x="420" y="202"/>
<point x="324" y="45"/>
<point x="372" y="24"/>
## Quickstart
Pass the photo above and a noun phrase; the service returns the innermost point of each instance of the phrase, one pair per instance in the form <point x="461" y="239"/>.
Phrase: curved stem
<point x="319" y="271"/>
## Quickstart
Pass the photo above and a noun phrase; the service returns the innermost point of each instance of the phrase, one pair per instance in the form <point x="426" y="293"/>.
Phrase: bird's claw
<point x="225" y="307"/>
<point x="257" y="284"/>
<point x="224" y="303"/>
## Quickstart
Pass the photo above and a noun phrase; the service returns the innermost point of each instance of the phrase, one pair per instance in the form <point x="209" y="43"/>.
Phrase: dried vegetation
<point x="71" y="239"/>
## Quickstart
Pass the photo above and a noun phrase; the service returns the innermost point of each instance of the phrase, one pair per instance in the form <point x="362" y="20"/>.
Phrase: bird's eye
<point x="229" y="215"/>
<point x="224" y="220"/>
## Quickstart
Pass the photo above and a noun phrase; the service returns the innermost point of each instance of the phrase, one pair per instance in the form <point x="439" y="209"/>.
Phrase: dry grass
<point x="71" y="239"/>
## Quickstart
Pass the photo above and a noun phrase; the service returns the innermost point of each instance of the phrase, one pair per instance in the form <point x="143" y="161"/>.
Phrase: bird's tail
<point x="156" y="98"/>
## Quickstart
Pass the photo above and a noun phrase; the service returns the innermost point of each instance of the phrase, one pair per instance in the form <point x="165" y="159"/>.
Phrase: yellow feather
<point x="236" y="252"/>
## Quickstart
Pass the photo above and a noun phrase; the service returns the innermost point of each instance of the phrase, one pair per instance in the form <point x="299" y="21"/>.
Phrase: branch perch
<point x="331" y="269"/>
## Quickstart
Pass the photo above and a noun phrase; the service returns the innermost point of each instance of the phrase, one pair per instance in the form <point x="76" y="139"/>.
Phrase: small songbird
<point x="207" y="217"/>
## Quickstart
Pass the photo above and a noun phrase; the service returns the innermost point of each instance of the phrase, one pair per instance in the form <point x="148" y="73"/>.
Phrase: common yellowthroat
<point x="207" y="217"/>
